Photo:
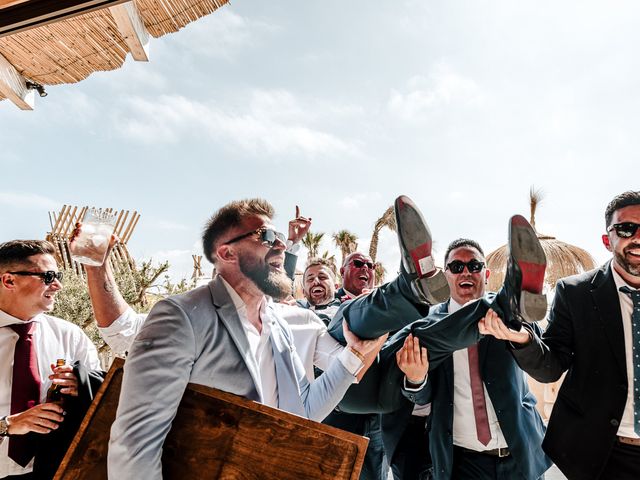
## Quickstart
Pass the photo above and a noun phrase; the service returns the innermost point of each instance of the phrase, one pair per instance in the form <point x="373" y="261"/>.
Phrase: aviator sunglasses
<point x="457" y="266"/>
<point x="624" y="229"/>
<point x="268" y="236"/>
<point x="47" y="277"/>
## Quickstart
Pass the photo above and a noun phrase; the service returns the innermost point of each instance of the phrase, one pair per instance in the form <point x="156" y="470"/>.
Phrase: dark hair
<point x="19" y="251"/>
<point x="229" y="216"/>
<point x="625" y="199"/>
<point x="321" y="261"/>
<point x="462" y="242"/>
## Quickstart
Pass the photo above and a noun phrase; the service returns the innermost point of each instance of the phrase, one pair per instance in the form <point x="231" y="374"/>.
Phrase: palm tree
<point x="312" y="243"/>
<point x="388" y="220"/>
<point x="332" y="260"/>
<point x="380" y="273"/>
<point x="346" y="241"/>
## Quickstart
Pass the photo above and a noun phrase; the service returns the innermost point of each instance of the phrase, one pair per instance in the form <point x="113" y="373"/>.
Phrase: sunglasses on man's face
<point x="457" y="266"/>
<point x="268" y="236"/>
<point x="47" y="277"/>
<point x="624" y="229"/>
<point x="360" y="264"/>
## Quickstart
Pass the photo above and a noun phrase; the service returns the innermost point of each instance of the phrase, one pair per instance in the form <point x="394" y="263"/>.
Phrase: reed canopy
<point x="69" y="50"/>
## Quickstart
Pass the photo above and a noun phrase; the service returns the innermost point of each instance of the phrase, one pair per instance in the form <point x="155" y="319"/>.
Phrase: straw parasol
<point x="563" y="259"/>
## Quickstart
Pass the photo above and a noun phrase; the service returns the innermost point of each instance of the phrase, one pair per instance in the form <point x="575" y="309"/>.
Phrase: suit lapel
<point x="607" y="304"/>
<point x="288" y="390"/>
<point x="228" y="314"/>
<point x="483" y="353"/>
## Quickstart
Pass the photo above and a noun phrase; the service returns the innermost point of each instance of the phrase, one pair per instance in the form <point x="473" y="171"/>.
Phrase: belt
<point x="629" y="441"/>
<point x="496" y="452"/>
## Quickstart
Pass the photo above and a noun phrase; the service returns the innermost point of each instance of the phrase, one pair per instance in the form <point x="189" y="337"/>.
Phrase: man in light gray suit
<point x="225" y="335"/>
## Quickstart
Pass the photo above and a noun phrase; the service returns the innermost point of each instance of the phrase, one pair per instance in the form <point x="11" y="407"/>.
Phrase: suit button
<point x="614" y="422"/>
<point x="623" y="387"/>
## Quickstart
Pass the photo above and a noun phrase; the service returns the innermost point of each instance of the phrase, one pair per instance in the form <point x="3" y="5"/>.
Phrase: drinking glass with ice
<point x="90" y="245"/>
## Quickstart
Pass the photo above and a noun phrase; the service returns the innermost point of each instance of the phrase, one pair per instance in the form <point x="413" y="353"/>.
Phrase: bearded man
<point x="225" y="335"/>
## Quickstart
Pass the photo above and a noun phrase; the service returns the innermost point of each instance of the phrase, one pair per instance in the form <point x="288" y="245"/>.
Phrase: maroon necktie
<point x="477" y="396"/>
<point x="25" y="389"/>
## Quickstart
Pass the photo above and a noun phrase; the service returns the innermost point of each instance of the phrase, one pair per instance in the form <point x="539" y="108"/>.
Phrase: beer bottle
<point x="53" y="394"/>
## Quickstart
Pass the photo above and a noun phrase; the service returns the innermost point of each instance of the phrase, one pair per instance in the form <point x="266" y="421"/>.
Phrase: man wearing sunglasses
<point x="484" y="424"/>
<point x="358" y="276"/>
<point x="227" y="335"/>
<point x="594" y="429"/>
<point x="30" y="342"/>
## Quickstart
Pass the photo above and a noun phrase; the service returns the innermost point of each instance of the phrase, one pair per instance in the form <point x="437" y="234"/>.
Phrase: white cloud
<point x="442" y="88"/>
<point x="28" y="201"/>
<point x="223" y="34"/>
<point x="274" y="123"/>
<point x="168" y="225"/>
<point x="359" y="200"/>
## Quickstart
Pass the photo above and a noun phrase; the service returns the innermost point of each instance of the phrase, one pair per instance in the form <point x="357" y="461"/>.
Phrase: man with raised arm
<point x="225" y="335"/>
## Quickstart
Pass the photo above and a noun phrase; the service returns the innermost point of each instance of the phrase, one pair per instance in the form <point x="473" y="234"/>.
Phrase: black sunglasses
<point x="624" y="229"/>
<point x="47" y="277"/>
<point x="268" y="236"/>
<point x="360" y="264"/>
<point x="457" y="266"/>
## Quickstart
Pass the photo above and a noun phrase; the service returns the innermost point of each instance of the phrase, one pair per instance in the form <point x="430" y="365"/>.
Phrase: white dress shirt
<point x="464" y="420"/>
<point x="626" y="308"/>
<point x="54" y="338"/>
<point x="312" y="341"/>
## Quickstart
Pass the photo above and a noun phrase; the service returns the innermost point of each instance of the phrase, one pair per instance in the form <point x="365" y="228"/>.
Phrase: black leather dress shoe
<point x="521" y="298"/>
<point x="428" y="284"/>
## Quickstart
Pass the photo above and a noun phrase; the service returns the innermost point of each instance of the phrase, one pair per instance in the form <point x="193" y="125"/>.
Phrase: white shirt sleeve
<point x="120" y="334"/>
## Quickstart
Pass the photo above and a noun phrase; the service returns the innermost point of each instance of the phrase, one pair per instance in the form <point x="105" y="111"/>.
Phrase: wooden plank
<point x="217" y="435"/>
<point x="130" y="228"/>
<point x="8" y="3"/>
<point x="14" y="86"/>
<point x="34" y="13"/>
<point x="132" y="29"/>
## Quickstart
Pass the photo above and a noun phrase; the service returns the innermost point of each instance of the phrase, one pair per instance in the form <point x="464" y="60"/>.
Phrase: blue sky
<point x="339" y="107"/>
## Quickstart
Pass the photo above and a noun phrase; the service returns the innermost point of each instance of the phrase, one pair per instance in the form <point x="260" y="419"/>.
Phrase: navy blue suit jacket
<point x="514" y="404"/>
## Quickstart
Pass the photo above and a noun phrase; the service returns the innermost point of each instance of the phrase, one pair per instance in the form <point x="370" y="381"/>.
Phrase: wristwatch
<point x="4" y="427"/>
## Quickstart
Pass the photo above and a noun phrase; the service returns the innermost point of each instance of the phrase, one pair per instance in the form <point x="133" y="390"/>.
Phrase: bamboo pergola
<point x="63" y="224"/>
<point x="71" y="49"/>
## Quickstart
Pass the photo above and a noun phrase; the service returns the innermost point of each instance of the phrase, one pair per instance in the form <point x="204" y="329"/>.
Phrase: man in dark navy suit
<point x="484" y="424"/>
<point x="593" y="335"/>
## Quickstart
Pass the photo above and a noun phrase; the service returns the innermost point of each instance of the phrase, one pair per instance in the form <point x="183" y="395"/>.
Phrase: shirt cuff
<point x="120" y="324"/>
<point x="350" y="361"/>
<point x="292" y="248"/>
<point x="414" y="389"/>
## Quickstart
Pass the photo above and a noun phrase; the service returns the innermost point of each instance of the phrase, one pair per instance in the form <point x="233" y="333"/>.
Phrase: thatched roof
<point x="563" y="259"/>
<point x="70" y="50"/>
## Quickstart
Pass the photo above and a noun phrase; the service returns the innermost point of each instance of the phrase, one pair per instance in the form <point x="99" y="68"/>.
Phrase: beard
<point x="272" y="283"/>
<point x="630" y="268"/>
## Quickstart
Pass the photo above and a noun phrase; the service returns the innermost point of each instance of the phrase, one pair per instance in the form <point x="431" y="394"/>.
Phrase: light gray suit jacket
<point x="197" y="337"/>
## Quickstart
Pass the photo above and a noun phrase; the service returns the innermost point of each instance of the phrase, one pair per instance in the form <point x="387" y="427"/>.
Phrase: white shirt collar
<point x="6" y="319"/>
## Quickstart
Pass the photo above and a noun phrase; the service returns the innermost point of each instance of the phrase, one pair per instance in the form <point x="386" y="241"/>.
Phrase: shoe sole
<point x="526" y="251"/>
<point x="436" y="287"/>
<point x="415" y="241"/>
